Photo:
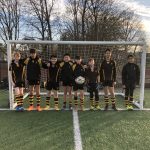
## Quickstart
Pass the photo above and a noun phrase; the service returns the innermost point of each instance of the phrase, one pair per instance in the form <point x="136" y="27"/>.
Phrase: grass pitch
<point x="51" y="130"/>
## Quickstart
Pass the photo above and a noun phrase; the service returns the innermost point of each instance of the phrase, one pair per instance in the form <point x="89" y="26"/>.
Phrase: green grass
<point x="51" y="130"/>
<point x="115" y="130"/>
<point x="111" y="130"/>
<point x="4" y="98"/>
<point x="34" y="130"/>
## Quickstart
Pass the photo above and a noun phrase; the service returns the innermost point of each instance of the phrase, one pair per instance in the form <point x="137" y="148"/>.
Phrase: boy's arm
<point x="98" y="78"/>
<point x="123" y="75"/>
<point x="25" y="60"/>
<point x="10" y="71"/>
<point x="60" y="70"/>
<point x="114" y="72"/>
<point x="101" y="73"/>
<point x="45" y="65"/>
<point x="137" y="75"/>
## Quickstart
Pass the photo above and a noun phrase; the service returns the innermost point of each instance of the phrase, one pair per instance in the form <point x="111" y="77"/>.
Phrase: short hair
<point x="66" y="54"/>
<point x="90" y="59"/>
<point x="53" y="56"/>
<point x="17" y="53"/>
<point x="130" y="55"/>
<point x="108" y="50"/>
<point x="32" y="50"/>
<point x="77" y="57"/>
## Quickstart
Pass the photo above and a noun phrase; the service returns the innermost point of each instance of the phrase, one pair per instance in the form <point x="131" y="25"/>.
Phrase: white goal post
<point x="106" y="43"/>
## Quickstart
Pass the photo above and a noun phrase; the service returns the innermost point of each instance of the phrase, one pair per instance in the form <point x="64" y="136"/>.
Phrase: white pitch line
<point x="76" y="127"/>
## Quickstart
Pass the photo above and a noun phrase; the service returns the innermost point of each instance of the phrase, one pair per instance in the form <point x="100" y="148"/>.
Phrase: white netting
<point x="120" y="52"/>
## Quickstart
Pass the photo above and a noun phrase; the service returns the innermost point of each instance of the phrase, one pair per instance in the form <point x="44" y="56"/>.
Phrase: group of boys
<point x="65" y="73"/>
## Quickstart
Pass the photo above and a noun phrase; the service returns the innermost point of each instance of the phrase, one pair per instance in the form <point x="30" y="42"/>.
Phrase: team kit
<point x="72" y="76"/>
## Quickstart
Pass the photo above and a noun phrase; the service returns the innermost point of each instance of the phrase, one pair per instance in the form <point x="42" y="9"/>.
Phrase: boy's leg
<point x="21" y="98"/>
<point x="69" y="88"/>
<point x="106" y="98"/>
<point x="56" y="100"/>
<point x="131" y="97"/>
<point x="126" y="96"/>
<point x="31" y="97"/>
<point x="48" y="100"/>
<point x="76" y="99"/>
<point x="17" y="98"/>
<point x="91" y="100"/>
<point x="97" y="100"/>
<point x="65" y="97"/>
<point x="48" y="97"/>
<point x="113" y="99"/>
<point x="82" y="99"/>
<point x="90" y="90"/>
<point x="38" y="97"/>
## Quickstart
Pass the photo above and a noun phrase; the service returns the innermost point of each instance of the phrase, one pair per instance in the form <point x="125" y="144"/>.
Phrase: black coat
<point x="130" y="74"/>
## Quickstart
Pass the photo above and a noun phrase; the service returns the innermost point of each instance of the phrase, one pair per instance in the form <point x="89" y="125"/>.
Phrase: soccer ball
<point x="80" y="80"/>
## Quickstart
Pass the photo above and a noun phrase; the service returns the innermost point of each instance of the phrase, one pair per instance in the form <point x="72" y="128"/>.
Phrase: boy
<point x="78" y="70"/>
<point x="67" y="78"/>
<point x="17" y="69"/>
<point x="92" y="77"/>
<point x="108" y="78"/>
<point x="34" y="64"/>
<point x="52" y="81"/>
<point x="130" y="78"/>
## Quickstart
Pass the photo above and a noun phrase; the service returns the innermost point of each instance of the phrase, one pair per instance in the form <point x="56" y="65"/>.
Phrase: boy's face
<point x="108" y="54"/>
<point x="78" y="61"/>
<point x="91" y="62"/>
<point x="17" y="57"/>
<point x="131" y="59"/>
<point x="53" y="60"/>
<point x="33" y="55"/>
<point x="66" y="58"/>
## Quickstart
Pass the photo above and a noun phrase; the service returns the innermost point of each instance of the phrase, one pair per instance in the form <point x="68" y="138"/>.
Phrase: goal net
<point x="85" y="49"/>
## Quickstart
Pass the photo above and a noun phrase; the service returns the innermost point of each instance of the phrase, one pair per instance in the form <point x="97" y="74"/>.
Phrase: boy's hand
<point x="114" y="83"/>
<point x="99" y="85"/>
<point x="13" y="84"/>
<point x="123" y="86"/>
<point x="48" y="65"/>
<point x="60" y="83"/>
<point x="85" y="66"/>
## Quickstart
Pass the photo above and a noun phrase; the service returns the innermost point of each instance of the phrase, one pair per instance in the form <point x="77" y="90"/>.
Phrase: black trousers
<point x="129" y="91"/>
<point x="93" y="90"/>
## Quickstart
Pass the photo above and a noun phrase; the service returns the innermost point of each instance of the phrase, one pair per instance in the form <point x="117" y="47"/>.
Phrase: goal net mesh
<point x="119" y="54"/>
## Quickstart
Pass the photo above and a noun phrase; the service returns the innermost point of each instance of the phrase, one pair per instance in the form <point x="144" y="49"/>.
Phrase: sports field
<point x="51" y="130"/>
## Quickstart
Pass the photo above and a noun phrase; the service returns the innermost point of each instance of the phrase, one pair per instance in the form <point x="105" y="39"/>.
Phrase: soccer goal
<point x="86" y="49"/>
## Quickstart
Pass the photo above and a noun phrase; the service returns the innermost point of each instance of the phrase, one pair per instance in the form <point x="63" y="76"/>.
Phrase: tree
<point x="9" y="19"/>
<point x="99" y="20"/>
<point x="41" y="18"/>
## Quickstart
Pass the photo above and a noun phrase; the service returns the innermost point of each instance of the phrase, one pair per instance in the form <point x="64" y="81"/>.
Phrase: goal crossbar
<point x="76" y="42"/>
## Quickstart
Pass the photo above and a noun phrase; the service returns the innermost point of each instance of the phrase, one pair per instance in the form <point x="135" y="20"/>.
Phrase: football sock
<point x="31" y="100"/>
<point x="76" y="101"/>
<point x="38" y="100"/>
<point x="47" y="101"/>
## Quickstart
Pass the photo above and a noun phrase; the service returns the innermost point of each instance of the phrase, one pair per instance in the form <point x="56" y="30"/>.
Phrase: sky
<point x="142" y="8"/>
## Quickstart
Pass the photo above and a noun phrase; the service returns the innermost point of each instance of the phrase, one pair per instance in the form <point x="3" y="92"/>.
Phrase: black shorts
<point x="67" y="82"/>
<point x="78" y="87"/>
<point x="20" y="84"/>
<point x="108" y="83"/>
<point x="52" y="86"/>
<point x="92" y="87"/>
<point x="34" y="82"/>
